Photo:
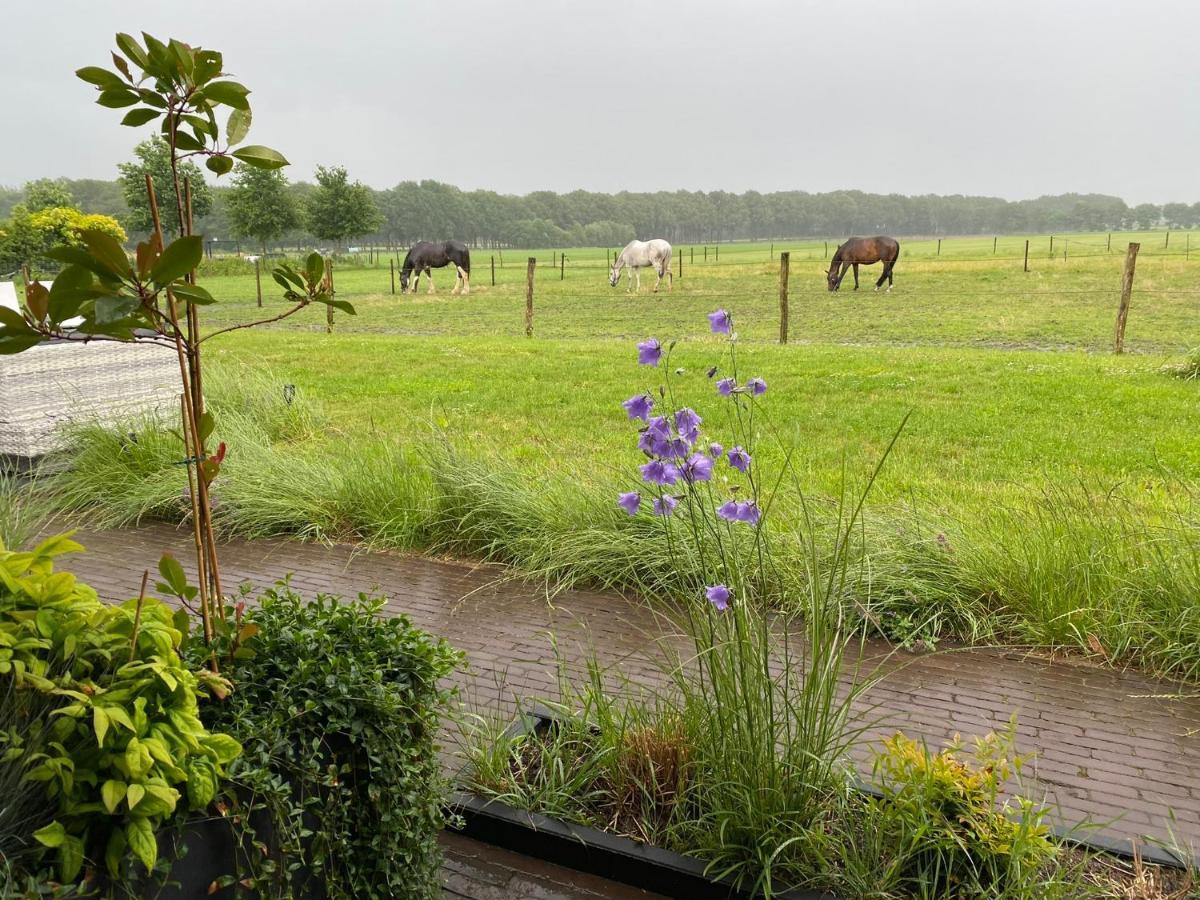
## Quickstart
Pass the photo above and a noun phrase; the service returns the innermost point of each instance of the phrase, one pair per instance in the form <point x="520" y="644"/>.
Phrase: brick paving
<point x="1117" y="749"/>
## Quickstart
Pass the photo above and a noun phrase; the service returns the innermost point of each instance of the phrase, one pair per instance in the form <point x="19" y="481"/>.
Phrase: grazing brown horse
<point x="864" y="252"/>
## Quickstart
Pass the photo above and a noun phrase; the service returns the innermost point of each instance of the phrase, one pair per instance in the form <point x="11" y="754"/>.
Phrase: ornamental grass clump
<point x="763" y="700"/>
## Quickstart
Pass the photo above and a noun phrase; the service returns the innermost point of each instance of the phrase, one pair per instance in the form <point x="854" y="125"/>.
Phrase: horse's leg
<point x="882" y="277"/>
<point x="658" y="272"/>
<point x="466" y="280"/>
<point x="416" y="281"/>
<point x="842" y="274"/>
<point x="891" y="280"/>
<point x="457" y="280"/>
<point x="856" y="276"/>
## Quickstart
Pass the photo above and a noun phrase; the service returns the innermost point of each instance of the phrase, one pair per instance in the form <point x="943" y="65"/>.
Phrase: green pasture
<point x="965" y="298"/>
<point x="1041" y="491"/>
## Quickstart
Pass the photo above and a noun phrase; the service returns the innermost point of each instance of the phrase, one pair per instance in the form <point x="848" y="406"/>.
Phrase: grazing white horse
<point x="639" y="254"/>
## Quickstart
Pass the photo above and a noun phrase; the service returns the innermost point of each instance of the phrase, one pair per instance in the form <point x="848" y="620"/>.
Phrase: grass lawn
<point x="1040" y="492"/>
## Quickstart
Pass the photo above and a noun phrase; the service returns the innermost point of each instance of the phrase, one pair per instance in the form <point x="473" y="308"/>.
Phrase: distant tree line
<point x="265" y="208"/>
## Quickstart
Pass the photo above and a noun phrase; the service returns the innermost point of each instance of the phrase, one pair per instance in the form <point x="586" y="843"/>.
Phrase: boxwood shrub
<point x="337" y="710"/>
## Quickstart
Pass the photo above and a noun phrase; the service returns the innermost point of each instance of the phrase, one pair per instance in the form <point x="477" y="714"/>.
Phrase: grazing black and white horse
<point x="426" y="255"/>
<point x="864" y="252"/>
<point x="639" y="254"/>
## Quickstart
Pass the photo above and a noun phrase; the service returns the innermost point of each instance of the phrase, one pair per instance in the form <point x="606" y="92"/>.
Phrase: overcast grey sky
<point x="1015" y="98"/>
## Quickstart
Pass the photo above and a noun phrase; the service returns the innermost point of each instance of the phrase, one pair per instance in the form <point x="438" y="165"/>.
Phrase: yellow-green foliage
<point x="63" y="225"/>
<point x="124" y="744"/>
<point x="955" y="836"/>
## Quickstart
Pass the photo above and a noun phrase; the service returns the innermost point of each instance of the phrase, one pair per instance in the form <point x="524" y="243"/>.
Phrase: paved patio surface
<point x="1118" y="749"/>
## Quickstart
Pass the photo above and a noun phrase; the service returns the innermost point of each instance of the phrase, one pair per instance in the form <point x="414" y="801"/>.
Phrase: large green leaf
<point x="51" y="835"/>
<point x="73" y="286"/>
<point x="132" y="49"/>
<point x="102" y="78"/>
<point x="260" y="157"/>
<point x="192" y="293"/>
<point x="185" y="141"/>
<point x="70" y="858"/>
<point x="343" y="305"/>
<point x="14" y="323"/>
<point x="141" y="840"/>
<point x="238" y="126"/>
<point x="114" y="309"/>
<point x="107" y="250"/>
<point x="16" y="343"/>
<point x="208" y="66"/>
<point x="221" y="165"/>
<point x="116" y="98"/>
<point x="140" y="116"/>
<point x="112" y="792"/>
<point x="230" y="93"/>
<point x="172" y="573"/>
<point x="314" y="267"/>
<point x="77" y="256"/>
<point x="180" y="257"/>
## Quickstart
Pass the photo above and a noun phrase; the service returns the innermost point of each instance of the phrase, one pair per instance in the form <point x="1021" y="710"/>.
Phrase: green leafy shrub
<point x="338" y="711"/>
<point x="948" y="830"/>
<point x="114" y="738"/>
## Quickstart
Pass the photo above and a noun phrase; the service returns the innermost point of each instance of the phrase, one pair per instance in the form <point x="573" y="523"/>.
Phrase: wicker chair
<point x="72" y="381"/>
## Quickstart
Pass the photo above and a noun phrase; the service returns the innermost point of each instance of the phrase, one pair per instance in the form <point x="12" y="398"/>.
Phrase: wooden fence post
<point x="562" y="266"/>
<point x="1027" y="254"/>
<point x="1126" y="292"/>
<point x="1108" y="243"/>
<point x="1051" y="245"/>
<point x="529" y="296"/>
<point x="392" y="266"/>
<point x="493" y="270"/>
<point x="772" y="251"/>
<point x="258" y="279"/>
<point x="681" y="266"/>
<point x="706" y="252"/>
<point x="784" y="264"/>
<point x="827" y="250"/>
<point x="939" y="253"/>
<point x="994" y="239"/>
<point x="329" y="309"/>
<point x="691" y="254"/>
<point x="1167" y="242"/>
<point x="717" y="253"/>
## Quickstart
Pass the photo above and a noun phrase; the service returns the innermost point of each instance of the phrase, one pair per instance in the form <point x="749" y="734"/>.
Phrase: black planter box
<point x="662" y="871"/>
<point x="590" y="850"/>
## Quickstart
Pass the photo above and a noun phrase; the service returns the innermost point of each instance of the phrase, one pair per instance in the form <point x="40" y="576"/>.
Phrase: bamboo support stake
<point x="186" y="410"/>
<point x="197" y="385"/>
<point x="137" y="616"/>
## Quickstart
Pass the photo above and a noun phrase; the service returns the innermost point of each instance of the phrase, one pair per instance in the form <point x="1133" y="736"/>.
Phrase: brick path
<point x="1118" y="749"/>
